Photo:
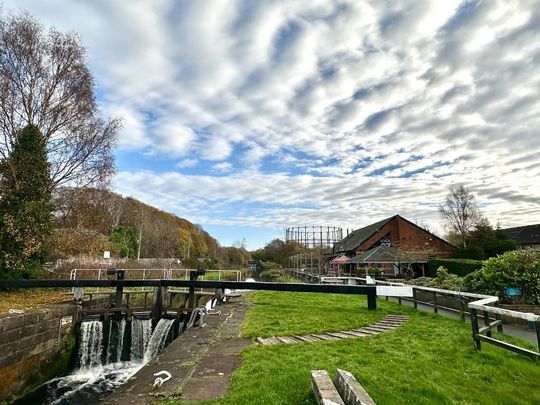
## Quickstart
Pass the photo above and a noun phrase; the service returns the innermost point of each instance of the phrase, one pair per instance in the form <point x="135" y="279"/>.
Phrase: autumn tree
<point x="25" y="206"/>
<point x="44" y="82"/>
<point x="460" y="213"/>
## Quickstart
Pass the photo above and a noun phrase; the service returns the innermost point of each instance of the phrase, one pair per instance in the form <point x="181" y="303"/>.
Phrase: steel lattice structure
<point x="314" y="236"/>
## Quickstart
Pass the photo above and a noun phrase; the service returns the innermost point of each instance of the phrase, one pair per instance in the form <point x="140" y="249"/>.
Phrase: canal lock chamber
<point x="107" y="353"/>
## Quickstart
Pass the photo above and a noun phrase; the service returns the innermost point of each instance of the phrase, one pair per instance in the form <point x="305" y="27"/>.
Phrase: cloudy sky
<point x="250" y="116"/>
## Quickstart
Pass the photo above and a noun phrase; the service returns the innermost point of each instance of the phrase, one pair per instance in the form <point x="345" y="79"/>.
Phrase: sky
<point x="251" y="116"/>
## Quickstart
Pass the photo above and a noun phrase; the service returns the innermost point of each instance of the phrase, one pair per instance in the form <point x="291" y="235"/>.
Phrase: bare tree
<point x="44" y="81"/>
<point x="460" y="213"/>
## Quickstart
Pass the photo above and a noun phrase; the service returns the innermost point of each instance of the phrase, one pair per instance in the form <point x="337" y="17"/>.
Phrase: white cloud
<point x="426" y="93"/>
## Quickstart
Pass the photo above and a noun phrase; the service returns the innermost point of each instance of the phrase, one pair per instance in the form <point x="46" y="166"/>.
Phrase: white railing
<point x="152" y="274"/>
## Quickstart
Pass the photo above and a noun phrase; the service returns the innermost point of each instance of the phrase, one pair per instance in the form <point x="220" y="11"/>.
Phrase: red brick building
<point x="400" y="233"/>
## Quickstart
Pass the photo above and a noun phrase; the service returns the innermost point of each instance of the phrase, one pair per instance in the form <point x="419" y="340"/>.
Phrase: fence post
<point x="486" y="322"/>
<point x="415" y="303"/>
<point x="435" y="309"/>
<point x="372" y="299"/>
<point x="462" y="309"/>
<point x="475" y="330"/>
<point x="499" y="326"/>
<point x="537" y="327"/>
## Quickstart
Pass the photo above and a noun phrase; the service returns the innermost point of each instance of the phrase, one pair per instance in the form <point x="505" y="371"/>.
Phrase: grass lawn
<point x="429" y="360"/>
<point x="25" y="299"/>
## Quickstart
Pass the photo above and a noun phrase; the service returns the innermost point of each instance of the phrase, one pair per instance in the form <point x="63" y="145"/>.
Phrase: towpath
<point x="201" y="362"/>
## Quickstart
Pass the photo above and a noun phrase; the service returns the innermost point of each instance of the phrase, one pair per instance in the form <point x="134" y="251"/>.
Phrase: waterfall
<point x="90" y="344"/>
<point x="141" y="330"/>
<point x="158" y="338"/>
<point x="114" y="351"/>
<point x="120" y="341"/>
<point x="109" y="343"/>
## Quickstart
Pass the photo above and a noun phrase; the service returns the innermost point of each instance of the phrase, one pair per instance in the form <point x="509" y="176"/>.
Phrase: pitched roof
<point x="523" y="235"/>
<point x="340" y="260"/>
<point x="357" y="237"/>
<point x="384" y="254"/>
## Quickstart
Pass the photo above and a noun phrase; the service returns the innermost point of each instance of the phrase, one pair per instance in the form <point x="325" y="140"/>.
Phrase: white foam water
<point x="158" y="339"/>
<point x="91" y="344"/>
<point x="141" y="330"/>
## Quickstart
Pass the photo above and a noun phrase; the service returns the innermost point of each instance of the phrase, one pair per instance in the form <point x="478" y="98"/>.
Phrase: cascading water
<point x="141" y="330"/>
<point x="115" y="341"/>
<point x="93" y="381"/>
<point x="90" y="344"/>
<point x="120" y="341"/>
<point x="158" y="339"/>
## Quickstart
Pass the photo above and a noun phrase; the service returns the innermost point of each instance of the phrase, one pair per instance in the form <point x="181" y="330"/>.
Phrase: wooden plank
<point x="323" y="388"/>
<point x="286" y="339"/>
<point x="324" y="337"/>
<point x="509" y="346"/>
<point x="367" y="331"/>
<point x="268" y="341"/>
<point x="338" y="335"/>
<point x="350" y="389"/>
<point x="375" y="329"/>
<point x="384" y="327"/>
<point x="353" y="334"/>
<point x="389" y="325"/>
<point x="490" y="326"/>
<point x="307" y="338"/>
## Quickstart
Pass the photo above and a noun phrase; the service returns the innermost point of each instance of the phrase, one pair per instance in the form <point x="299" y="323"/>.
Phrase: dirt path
<point x="201" y="362"/>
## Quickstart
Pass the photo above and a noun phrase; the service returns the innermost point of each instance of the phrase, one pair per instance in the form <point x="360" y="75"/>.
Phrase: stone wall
<point x="30" y="340"/>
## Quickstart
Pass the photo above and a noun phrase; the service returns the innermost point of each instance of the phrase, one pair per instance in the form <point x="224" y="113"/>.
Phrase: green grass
<point x="301" y="313"/>
<point x="429" y="360"/>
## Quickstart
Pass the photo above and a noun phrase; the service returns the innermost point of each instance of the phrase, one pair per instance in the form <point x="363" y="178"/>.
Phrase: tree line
<point x="89" y="221"/>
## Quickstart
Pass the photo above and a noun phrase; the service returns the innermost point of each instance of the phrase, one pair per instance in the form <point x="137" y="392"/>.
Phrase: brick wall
<point x="30" y="340"/>
<point x="410" y="238"/>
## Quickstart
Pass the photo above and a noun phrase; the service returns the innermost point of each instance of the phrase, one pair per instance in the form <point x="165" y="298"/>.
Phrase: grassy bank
<point x="429" y="360"/>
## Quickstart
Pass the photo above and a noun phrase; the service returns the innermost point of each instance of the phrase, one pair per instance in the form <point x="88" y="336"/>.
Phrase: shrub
<point x="518" y="268"/>
<point x="444" y="280"/>
<point x="460" y="267"/>
<point x="476" y="282"/>
<point x="374" y="272"/>
<point x="473" y="252"/>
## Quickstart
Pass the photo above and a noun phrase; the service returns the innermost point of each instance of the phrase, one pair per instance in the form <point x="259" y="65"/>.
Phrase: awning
<point x="340" y="260"/>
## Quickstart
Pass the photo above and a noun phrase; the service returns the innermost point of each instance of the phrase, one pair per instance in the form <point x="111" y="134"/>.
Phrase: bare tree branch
<point x="460" y="213"/>
<point x="44" y="81"/>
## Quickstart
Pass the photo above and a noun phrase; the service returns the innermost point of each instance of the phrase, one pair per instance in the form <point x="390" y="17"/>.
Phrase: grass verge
<point x="429" y="360"/>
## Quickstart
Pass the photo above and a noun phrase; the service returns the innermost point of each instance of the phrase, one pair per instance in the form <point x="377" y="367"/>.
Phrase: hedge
<point x="461" y="267"/>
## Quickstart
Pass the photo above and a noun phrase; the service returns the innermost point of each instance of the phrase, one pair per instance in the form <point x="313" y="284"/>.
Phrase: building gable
<point x="398" y="232"/>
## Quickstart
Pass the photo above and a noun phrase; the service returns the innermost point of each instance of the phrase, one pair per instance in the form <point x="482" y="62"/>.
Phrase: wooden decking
<point x="388" y="323"/>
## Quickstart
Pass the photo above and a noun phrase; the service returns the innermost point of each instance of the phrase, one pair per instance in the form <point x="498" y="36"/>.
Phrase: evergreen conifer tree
<point x="25" y="206"/>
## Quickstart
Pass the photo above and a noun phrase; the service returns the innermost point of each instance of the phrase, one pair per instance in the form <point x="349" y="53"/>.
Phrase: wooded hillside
<point x="89" y="221"/>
